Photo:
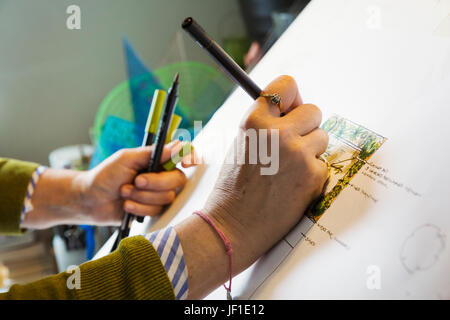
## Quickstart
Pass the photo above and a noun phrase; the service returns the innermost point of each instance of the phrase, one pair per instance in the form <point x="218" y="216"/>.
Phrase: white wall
<point x="52" y="79"/>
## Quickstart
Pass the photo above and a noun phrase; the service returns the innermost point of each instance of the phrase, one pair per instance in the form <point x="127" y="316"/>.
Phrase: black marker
<point x="154" y="164"/>
<point x="151" y="127"/>
<point x="221" y="57"/>
<point x="172" y="97"/>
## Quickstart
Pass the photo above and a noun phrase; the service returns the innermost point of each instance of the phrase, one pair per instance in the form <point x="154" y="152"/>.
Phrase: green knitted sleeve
<point x="133" y="271"/>
<point x="14" y="178"/>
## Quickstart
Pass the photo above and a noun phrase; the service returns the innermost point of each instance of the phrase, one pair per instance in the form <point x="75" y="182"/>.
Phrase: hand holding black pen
<point x="154" y="164"/>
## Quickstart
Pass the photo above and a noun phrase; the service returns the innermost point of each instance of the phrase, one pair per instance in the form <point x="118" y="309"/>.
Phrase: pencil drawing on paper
<point x="350" y="146"/>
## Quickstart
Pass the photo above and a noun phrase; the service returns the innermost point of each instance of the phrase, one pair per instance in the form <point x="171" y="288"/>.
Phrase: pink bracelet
<point x="228" y="248"/>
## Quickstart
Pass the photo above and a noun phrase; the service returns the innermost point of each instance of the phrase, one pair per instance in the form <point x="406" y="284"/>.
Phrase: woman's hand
<point x="258" y="210"/>
<point x="255" y="211"/>
<point x="100" y="196"/>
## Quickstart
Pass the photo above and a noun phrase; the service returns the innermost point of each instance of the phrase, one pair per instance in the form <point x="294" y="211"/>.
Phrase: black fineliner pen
<point x="151" y="127"/>
<point x="221" y="57"/>
<point x="154" y="115"/>
<point x="162" y="122"/>
<point x="154" y="164"/>
<point x="172" y="97"/>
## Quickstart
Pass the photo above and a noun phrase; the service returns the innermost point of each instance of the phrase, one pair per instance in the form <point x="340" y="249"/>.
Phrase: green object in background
<point x="202" y="89"/>
<point x="117" y="103"/>
<point x="237" y="48"/>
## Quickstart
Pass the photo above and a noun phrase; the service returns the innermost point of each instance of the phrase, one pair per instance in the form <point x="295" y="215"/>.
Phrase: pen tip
<point x="177" y="76"/>
<point x="187" y="22"/>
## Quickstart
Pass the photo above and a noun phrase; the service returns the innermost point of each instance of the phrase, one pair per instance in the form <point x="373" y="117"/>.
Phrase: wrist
<point x="205" y="254"/>
<point x="56" y="199"/>
<point x="236" y="235"/>
<point x="206" y="260"/>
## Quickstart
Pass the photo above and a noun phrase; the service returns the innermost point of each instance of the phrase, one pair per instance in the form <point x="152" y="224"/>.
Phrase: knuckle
<point x="314" y="109"/>
<point x="123" y="153"/>
<point x="287" y="80"/>
<point x="119" y="153"/>
<point x="323" y="136"/>
<point x="251" y="121"/>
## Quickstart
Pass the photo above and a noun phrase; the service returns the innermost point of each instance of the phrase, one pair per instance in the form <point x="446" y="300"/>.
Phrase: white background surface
<point x="391" y="75"/>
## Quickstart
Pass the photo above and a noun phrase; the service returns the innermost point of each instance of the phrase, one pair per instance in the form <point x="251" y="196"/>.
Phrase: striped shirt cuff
<point x="27" y="206"/>
<point x="169" y="249"/>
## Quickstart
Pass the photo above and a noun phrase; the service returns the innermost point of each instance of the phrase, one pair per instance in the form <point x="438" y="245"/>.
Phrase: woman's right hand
<point x="258" y="210"/>
<point x="255" y="211"/>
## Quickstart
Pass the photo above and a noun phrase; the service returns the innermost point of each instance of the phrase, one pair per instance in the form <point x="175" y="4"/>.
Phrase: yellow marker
<point x="153" y="117"/>
<point x="173" y="126"/>
<point x="155" y="111"/>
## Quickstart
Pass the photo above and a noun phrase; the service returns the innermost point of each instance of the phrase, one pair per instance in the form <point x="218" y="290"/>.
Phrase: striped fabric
<point x="169" y="249"/>
<point x="27" y="206"/>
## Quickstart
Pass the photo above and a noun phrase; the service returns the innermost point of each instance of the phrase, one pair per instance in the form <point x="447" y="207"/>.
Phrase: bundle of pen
<point x="161" y="125"/>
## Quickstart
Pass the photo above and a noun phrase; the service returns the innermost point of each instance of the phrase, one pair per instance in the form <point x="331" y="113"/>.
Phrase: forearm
<point x="133" y="271"/>
<point x="205" y="254"/>
<point x="57" y="199"/>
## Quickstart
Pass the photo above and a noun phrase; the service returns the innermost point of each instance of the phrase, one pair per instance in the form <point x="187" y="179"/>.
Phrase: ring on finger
<point x="275" y="98"/>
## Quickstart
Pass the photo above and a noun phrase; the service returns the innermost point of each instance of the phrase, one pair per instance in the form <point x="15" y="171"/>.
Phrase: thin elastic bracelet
<point x="228" y="248"/>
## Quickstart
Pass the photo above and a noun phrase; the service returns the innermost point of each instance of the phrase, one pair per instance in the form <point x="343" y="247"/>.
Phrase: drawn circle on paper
<point x="422" y="248"/>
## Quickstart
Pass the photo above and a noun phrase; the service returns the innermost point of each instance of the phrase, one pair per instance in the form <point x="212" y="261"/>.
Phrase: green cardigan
<point x="133" y="271"/>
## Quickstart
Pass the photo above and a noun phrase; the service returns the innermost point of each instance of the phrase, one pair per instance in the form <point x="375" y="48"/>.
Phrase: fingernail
<point x="129" y="206"/>
<point x="141" y="182"/>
